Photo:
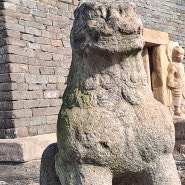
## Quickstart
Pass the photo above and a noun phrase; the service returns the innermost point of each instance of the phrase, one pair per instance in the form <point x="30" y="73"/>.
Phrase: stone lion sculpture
<point x="110" y="128"/>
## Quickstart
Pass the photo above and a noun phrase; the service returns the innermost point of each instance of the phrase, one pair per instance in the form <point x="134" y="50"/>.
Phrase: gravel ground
<point x="20" y="174"/>
<point x="28" y="173"/>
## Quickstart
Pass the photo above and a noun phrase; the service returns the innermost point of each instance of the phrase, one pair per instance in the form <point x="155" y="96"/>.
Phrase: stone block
<point x="2" y="133"/>
<point x="9" y="6"/>
<point x="33" y="46"/>
<point x="50" y="49"/>
<point x="54" y="10"/>
<point x="16" y="132"/>
<point x="61" y="79"/>
<point x="33" y="130"/>
<point x="38" y="112"/>
<point x="36" y="79"/>
<point x="33" y="87"/>
<point x="52" y="119"/>
<point x="13" y="33"/>
<point x="61" y="71"/>
<point x="13" y="26"/>
<point x="2" y="122"/>
<point x="27" y="95"/>
<point x="50" y="111"/>
<point x="43" y="55"/>
<point x="42" y="40"/>
<point x="4" y="68"/>
<point x="58" y="57"/>
<point x="34" y="61"/>
<point x="33" y="31"/>
<point x="61" y="25"/>
<point x="2" y="26"/>
<point x="42" y="7"/>
<point x="53" y="79"/>
<point x="56" y="43"/>
<point x="62" y="4"/>
<point x="39" y="120"/>
<point x="22" y="113"/>
<point x="51" y="87"/>
<point x="51" y="94"/>
<point x="153" y="37"/>
<point x="27" y="17"/>
<point x="29" y="4"/>
<point x="53" y="17"/>
<point x="17" y="59"/>
<point x="38" y="13"/>
<point x="4" y="50"/>
<point x="21" y="51"/>
<point x="21" y="132"/>
<point x="20" y="86"/>
<point x="32" y="24"/>
<point x="15" y="41"/>
<point x="34" y="69"/>
<point x="41" y="103"/>
<point x="48" y="34"/>
<point x="53" y="29"/>
<point x="55" y="102"/>
<point x="46" y="129"/>
<point x="21" y="149"/>
<point x="43" y="21"/>
<point x="48" y="2"/>
<point x="2" y="42"/>
<point x="17" y="77"/>
<point x="6" y="96"/>
<point x="47" y="71"/>
<point x="28" y="37"/>
<point x="18" y="68"/>
<point x="20" y="95"/>
<point x="18" y="122"/>
<point x="23" y="9"/>
<point x="9" y="19"/>
<point x="6" y="105"/>
<point x="4" y="58"/>
<point x="35" y="95"/>
<point x="5" y="86"/>
<point x="17" y="104"/>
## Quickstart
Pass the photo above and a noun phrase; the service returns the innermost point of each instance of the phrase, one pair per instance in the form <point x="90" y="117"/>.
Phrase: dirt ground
<point x="28" y="173"/>
<point x="20" y="174"/>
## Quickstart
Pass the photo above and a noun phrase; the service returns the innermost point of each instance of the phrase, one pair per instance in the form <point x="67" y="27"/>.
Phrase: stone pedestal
<point x="23" y="150"/>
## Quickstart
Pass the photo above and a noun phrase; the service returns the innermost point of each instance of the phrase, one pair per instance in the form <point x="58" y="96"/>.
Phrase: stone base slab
<point x="25" y="149"/>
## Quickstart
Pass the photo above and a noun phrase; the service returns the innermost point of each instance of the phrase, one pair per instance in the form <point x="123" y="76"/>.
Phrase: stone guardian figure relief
<point x="110" y="130"/>
<point x="175" y="78"/>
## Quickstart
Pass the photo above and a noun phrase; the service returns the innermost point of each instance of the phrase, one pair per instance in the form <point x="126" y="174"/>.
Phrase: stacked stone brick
<point x="35" y="56"/>
<point x="167" y="16"/>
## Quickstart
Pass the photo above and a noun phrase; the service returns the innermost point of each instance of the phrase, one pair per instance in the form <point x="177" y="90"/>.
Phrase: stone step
<point x="25" y="149"/>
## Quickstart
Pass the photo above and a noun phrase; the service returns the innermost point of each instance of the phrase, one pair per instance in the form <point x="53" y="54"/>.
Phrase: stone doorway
<point x="156" y="62"/>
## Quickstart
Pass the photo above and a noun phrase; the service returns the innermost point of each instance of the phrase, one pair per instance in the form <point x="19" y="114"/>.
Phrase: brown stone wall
<point x="35" y="56"/>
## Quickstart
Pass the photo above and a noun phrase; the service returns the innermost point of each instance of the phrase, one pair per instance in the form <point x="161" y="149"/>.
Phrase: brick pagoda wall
<point x="167" y="16"/>
<point x="35" y="56"/>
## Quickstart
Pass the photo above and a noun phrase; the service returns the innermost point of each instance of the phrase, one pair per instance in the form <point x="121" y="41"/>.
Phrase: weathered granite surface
<point x="110" y="128"/>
